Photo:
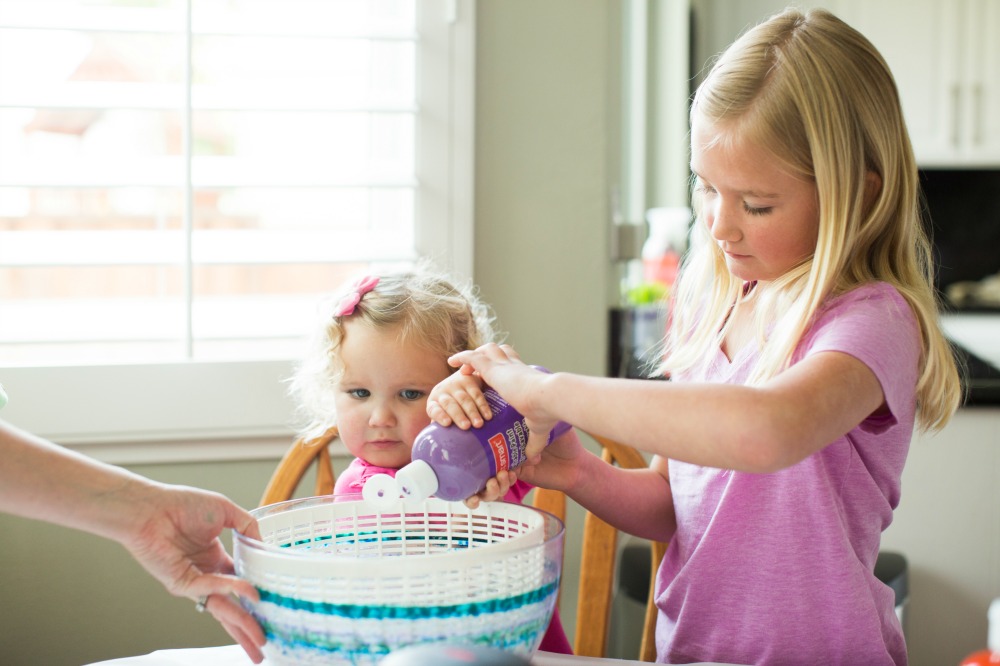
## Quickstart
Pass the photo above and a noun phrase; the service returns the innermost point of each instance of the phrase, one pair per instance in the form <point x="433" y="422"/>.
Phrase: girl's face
<point x="382" y="396"/>
<point x="765" y="220"/>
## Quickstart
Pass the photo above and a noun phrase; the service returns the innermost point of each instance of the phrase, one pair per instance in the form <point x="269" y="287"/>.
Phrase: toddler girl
<point x="380" y="350"/>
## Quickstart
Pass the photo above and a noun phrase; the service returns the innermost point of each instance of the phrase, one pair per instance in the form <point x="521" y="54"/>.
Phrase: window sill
<point x="167" y="412"/>
<point x="187" y="451"/>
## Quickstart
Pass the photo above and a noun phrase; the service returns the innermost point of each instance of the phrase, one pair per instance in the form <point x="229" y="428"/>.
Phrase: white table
<point x="233" y="655"/>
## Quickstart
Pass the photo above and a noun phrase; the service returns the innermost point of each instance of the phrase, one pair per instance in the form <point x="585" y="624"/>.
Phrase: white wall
<point x="948" y="528"/>
<point x="546" y="105"/>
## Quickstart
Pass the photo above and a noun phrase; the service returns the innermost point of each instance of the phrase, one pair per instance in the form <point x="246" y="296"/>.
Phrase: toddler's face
<point x="382" y="396"/>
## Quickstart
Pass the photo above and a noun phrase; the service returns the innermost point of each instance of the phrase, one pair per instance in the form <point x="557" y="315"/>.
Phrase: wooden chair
<point x="597" y="566"/>
<point x="600" y="540"/>
<point x="295" y="464"/>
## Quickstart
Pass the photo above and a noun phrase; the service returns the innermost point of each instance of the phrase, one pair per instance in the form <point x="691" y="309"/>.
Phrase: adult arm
<point x="172" y="531"/>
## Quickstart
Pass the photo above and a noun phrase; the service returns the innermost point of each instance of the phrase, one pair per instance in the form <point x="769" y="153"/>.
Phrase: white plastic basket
<point x="343" y="581"/>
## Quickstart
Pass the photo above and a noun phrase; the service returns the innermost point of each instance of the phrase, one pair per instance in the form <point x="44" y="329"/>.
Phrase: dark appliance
<point x="963" y="210"/>
<point x="962" y="207"/>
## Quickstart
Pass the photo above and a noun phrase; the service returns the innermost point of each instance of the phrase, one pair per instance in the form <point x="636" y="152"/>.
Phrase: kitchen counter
<point x="976" y="338"/>
<point x="974" y="335"/>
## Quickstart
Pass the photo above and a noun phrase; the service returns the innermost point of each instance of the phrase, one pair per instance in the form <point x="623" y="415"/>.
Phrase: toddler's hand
<point x="459" y="399"/>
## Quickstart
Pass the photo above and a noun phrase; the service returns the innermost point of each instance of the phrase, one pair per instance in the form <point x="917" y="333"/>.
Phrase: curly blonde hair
<point x="436" y="312"/>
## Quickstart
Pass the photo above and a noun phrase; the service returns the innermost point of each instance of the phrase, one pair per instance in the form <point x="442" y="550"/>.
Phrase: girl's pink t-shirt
<point x="778" y="568"/>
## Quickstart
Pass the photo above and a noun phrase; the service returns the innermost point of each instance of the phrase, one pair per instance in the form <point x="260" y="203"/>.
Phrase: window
<point x="180" y="181"/>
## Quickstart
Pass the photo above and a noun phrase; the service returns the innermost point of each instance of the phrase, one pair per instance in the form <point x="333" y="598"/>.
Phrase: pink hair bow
<point x="361" y="287"/>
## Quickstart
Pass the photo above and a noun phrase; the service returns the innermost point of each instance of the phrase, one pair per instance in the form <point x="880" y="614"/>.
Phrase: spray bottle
<point x="453" y="464"/>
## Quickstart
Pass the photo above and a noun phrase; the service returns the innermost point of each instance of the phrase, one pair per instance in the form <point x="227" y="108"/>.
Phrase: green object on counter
<point x="646" y="293"/>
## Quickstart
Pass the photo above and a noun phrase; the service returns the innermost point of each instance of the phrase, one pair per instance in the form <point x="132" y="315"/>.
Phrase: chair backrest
<point x="294" y="465"/>
<point x="600" y="540"/>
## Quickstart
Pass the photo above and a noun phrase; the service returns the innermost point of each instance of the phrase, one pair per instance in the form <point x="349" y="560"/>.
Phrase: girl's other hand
<point x="559" y="467"/>
<point x="459" y="400"/>
<point x="496" y="488"/>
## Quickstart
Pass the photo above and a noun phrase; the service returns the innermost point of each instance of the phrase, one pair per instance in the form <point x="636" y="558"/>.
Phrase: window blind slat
<point x="69" y="16"/>
<point x="167" y="248"/>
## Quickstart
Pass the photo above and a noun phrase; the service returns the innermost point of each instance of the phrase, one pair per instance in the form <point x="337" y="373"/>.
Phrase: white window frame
<point x="201" y="411"/>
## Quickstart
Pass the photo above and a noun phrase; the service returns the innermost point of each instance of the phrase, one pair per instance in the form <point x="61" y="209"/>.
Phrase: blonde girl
<point x="804" y="346"/>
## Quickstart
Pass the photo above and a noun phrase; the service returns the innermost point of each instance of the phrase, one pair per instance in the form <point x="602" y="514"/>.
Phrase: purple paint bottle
<point x="453" y="464"/>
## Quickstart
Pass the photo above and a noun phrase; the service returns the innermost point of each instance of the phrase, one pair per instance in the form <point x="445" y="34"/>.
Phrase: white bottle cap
<point x="380" y="490"/>
<point x="417" y="480"/>
<point x="993" y="624"/>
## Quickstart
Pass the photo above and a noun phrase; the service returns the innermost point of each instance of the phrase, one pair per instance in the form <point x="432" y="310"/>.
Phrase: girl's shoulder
<point x="872" y="298"/>
<point x="872" y="315"/>
<point x="869" y="291"/>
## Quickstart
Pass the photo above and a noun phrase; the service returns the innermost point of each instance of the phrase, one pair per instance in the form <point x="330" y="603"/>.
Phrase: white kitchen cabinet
<point x="947" y="69"/>
<point x="943" y="53"/>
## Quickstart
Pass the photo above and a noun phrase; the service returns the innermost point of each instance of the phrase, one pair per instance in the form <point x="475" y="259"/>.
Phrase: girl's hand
<point x="496" y="488"/>
<point x="459" y="400"/>
<point x="518" y="384"/>
<point x="558" y="467"/>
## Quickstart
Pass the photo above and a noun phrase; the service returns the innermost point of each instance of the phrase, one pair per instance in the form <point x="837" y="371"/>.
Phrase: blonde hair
<point x="818" y="96"/>
<point x="429" y="308"/>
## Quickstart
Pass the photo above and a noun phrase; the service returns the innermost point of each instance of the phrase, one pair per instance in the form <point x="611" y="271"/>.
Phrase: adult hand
<point x="172" y="531"/>
<point x="177" y="541"/>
